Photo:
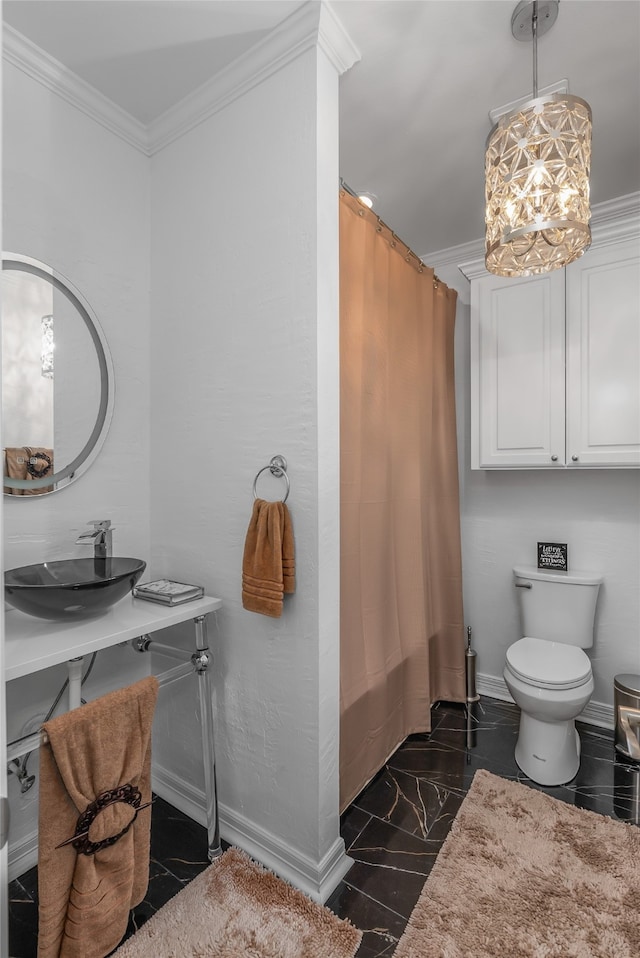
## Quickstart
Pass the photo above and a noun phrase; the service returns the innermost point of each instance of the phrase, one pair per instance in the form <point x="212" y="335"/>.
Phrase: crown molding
<point x="334" y="40"/>
<point x="611" y="221"/>
<point x="313" y="24"/>
<point x="454" y="255"/>
<point x="560" y="86"/>
<point x="40" y="66"/>
<point x="617" y="219"/>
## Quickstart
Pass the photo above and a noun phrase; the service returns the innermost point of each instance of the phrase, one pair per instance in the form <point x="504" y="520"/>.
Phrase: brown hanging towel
<point x="94" y="773"/>
<point x="268" y="565"/>
<point x="26" y="462"/>
<point x="15" y="466"/>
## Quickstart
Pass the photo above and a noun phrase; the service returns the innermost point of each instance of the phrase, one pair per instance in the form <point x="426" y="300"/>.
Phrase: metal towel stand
<point x="198" y="662"/>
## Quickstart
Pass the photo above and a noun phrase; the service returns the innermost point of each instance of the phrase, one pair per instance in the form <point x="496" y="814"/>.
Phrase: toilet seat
<point x="548" y="665"/>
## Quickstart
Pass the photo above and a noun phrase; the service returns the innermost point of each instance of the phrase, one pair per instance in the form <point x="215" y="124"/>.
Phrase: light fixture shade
<point x="537" y="186"/>
<point x="46" y="325"/>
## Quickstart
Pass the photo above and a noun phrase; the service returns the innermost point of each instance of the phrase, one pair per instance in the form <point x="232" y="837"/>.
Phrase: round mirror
<point x="57" y="379"/>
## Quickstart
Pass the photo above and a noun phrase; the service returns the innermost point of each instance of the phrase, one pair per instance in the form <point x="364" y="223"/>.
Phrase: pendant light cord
<point x="534" y="30"/>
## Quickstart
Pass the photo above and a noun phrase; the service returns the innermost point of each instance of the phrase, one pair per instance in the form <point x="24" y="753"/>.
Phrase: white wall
<point x="505" y="513"/>
<point x="245" y="366"/>
<point x="239" y="339"/>
<point x="77" y="198"/>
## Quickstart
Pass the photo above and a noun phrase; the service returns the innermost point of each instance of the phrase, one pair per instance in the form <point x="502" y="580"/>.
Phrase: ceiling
<point x="413" y="110"/>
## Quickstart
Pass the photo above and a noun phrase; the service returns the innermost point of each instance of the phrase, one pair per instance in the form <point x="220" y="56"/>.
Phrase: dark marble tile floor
<point x="393" y="830"/>
<point x="178" y="854"/>
<point x="396" y="826"/>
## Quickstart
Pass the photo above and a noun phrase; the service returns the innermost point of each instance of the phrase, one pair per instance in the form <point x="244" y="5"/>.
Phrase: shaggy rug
<point x="527" y="876"/>
<point x="238" y="909"/>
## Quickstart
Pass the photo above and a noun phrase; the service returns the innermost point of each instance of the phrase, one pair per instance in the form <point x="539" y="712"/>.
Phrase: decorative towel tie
<point x="127" y="794"/>
<point x="94" y="869"/>
<point x="268" y="566"/>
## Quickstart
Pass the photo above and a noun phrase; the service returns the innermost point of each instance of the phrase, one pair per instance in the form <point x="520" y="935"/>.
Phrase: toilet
<point x="548" y="672"/>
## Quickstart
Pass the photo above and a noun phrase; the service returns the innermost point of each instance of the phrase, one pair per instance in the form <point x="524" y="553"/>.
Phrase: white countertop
<point x="32" y="644"/>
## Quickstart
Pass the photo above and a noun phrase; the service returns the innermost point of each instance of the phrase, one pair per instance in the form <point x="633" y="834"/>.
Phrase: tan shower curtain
<point x="402" y="635"/>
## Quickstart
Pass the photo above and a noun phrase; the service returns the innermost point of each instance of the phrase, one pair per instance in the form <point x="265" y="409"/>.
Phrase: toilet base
<point x="548" y="752"/>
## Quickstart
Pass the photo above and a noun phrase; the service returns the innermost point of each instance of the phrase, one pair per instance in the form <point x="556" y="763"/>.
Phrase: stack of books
<point x="167" y="591"/>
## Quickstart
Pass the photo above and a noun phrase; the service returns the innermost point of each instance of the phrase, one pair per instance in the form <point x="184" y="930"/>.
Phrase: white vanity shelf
<point x="33" y="644"/>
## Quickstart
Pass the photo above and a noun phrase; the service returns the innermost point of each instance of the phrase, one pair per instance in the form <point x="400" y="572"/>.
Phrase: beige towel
<point x="16" y="458"/>
<point x="268" y="566"/>
<point x="84" y="900"/>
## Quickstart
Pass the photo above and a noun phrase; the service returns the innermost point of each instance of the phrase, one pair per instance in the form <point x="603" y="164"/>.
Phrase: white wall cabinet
<point x="603" y="357"/>
<point x="555" y="364"/>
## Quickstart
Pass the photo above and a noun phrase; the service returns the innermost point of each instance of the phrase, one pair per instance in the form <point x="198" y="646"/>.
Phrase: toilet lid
<point x="549" y="665"/>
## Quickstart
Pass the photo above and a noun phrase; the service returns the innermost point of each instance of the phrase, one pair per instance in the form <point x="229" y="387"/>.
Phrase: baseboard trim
<point x="23" y="855"/>
<point x="315" y="879"/>
<point x="600" y="714"/>
<point x="182" y="795"/>
<point x="494" y="686"/>
<point x="596" y="713"/>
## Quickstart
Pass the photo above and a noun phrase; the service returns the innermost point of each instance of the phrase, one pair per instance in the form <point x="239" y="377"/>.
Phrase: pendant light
<point x="537" y="171"/>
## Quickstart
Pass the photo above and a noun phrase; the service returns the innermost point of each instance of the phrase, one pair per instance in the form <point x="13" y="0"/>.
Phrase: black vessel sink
<point x="71" y="588"/>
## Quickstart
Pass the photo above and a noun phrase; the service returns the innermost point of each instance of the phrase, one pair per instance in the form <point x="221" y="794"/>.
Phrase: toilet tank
<point x="557" y="606"/>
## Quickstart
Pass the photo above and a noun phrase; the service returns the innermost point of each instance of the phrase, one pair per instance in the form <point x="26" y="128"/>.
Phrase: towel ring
<point x="277" y="467"/>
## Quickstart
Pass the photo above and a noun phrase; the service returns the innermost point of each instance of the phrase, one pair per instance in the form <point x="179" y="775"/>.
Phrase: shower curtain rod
<point x="422" y="265"/>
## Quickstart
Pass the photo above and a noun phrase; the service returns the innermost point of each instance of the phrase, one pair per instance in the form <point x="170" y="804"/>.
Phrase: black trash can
<point x="626" y="703"/>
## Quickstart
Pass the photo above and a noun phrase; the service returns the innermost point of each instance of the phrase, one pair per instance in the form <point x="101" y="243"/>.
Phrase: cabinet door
<point x="517" y="372"/>
<point x="603" y="357"/>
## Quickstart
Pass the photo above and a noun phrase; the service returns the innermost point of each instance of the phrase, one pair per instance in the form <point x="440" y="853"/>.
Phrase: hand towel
<point x="16" y="459"/>
<point x="288" y="560"/>
<point x="26" y="462"/>
<point x="84" y="900"/>
<point x="268" y="565"/>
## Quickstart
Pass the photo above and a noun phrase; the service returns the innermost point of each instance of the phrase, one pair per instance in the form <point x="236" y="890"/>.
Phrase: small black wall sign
<point x="552" y="555"/>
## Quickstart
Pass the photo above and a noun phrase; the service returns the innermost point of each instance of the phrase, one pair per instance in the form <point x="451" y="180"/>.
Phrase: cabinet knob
<point x="574" y="459"/>
<point x="554" y="459"/>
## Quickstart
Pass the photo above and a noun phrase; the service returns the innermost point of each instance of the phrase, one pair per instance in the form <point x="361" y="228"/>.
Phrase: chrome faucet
<point x="101" y="536"/>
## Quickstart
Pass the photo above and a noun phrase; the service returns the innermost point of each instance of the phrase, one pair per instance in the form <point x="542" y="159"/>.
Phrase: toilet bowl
<point x="548" y="672"/>
<point x="551" y="683"/>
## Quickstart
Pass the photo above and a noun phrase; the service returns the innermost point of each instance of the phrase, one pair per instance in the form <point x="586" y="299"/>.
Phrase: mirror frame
<point x="79" y="465"/>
